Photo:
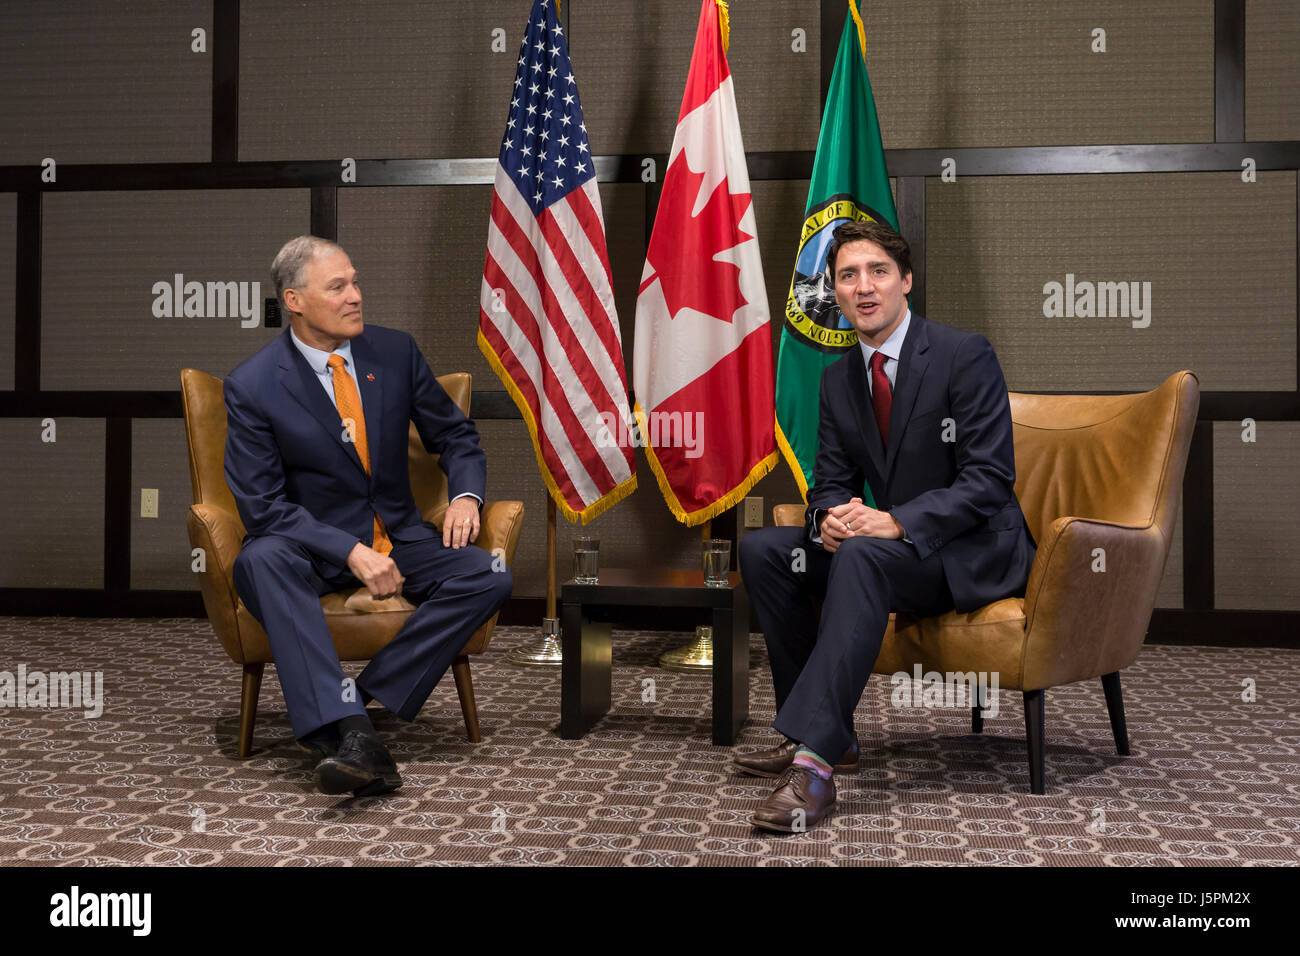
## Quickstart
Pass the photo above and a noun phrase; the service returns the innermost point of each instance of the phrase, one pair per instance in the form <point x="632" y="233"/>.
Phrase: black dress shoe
<point x="362" y="765"/>
<point x="319" y="745"/>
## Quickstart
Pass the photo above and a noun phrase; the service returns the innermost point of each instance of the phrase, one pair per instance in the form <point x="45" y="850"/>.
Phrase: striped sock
<point x="804" y="757"/>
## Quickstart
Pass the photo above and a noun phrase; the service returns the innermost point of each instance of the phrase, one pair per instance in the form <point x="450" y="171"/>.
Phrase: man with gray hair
<point x="316" y="457"/>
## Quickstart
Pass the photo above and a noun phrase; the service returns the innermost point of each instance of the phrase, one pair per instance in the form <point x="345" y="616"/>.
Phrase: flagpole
<point x="567" y="194"/>
<point x="546" y="650"/>
<point x="550" y="554"/>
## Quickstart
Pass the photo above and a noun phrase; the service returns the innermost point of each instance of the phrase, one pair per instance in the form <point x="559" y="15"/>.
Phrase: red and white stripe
<point x="547" y="313"/>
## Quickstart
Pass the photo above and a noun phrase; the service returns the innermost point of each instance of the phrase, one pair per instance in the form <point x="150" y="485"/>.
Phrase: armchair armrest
<point x="220" y="534"/>
<point x="435" y="514"/>
<point x="500" y="524"/>
<point x="1081" y="621"/>
<point x="788" y="515"/>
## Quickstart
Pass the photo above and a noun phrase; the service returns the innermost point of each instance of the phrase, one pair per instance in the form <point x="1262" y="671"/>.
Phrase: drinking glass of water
<point x="717" y="562"/>
<point x="586" y="560"/>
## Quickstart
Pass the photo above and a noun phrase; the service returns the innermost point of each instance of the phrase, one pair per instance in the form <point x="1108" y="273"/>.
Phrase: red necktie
<point x="881" y="398"/>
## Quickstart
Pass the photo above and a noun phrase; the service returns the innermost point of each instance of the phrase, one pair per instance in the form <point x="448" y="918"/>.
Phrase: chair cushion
<point x="989" y="639"/>
<point x="359" y="631"/>
<point x="360" y="601"/>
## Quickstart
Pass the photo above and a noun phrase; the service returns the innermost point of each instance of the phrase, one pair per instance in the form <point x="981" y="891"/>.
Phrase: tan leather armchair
<point x="360" y="625"/>
<point x="1092" y="471"/>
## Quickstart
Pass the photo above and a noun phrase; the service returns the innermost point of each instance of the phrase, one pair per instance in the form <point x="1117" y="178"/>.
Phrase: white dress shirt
<point x="893" y="350"/>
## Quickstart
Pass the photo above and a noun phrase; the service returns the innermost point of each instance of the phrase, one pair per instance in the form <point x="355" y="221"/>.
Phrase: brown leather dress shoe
<point x="770" y="763"/>
<point x="801" y="799"/>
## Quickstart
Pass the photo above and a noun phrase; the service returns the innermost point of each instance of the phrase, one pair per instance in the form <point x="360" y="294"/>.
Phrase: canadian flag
<point x="702" y="358"/>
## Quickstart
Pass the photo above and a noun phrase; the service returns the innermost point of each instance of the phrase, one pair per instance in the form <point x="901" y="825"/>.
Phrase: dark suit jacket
<point x="955" y="497"/>
<point x="293" y="473"/>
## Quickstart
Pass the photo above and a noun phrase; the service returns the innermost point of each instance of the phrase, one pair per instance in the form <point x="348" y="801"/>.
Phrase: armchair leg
<point x="248" y="708"/>
<point x="1035" y="736"/>
<point x="465" y="690"/>
<point x="1115" y="706"/>
<point x="977" y="712"/>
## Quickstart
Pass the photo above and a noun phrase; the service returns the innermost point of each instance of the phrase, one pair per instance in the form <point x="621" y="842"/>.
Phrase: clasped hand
<point x="856" y="520"/>
<point x="378" y="572"/>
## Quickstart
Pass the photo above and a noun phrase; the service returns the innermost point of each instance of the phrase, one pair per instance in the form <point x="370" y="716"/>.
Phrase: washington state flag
<point x="849" y="182"/>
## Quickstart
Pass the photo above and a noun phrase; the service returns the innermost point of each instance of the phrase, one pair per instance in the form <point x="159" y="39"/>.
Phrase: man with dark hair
<point x="316" y="457"/>
<point x="919" y="415"/>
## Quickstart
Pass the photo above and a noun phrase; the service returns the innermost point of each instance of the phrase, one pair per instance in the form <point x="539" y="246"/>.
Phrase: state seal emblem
<point x="811" y="312"/>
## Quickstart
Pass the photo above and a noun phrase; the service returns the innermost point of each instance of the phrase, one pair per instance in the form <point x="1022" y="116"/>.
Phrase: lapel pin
<point x="370" y="376"/>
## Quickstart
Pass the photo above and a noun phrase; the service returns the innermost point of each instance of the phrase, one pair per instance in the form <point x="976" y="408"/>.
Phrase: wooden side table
<point x="584" y="621"/>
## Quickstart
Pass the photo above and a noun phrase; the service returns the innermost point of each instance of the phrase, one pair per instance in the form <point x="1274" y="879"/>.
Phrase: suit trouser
<point x="820" y="670"/>
<point x="455" y="590"/>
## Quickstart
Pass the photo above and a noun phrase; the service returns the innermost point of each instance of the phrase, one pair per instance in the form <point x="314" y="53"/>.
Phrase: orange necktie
<point x="349" y="403"/>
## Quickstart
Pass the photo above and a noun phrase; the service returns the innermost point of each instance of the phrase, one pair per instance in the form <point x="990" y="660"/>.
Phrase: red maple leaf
<point x="682" y="254"/>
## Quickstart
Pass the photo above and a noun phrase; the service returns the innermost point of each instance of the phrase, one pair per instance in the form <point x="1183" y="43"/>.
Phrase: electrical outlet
<point x="148" y="502"/>
<point x="754" y="512"/>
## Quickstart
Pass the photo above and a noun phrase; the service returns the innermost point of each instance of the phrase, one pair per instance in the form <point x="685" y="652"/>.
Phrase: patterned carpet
<point x="1213" y="780"/>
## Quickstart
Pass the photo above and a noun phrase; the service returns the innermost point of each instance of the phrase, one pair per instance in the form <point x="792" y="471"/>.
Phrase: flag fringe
<point x="862" y="30"/>
<point x="724" y="24"/>
<point x="597" y="507"/>
<point x="729" y="500"/>
<point x="793" y="461"/>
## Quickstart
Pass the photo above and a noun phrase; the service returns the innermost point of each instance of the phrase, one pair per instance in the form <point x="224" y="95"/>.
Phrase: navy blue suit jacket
<point x="291" y="469"/>
<point x="953" y="497"/>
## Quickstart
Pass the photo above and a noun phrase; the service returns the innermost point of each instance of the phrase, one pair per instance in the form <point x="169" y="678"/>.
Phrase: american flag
<point x="547" y="322"/>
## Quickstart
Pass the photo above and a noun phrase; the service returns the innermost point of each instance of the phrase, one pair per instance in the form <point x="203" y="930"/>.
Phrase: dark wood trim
<point x="105" y="404"/>
<point x="652" y="193"/>
<point x="119" y="499"/>
<point x="523" y="612"/>
<point x="1071" y="160"/>
<point x="496" y="404"/>
<point x="1225" y="628"/>
<point x="224" y="49"/>
<point x="85" y="602"/>
<point x="833" y="13"/>
<point x="1261" y="406"/>
<point x="797" y="164"/>
<point x="1229" y="70"/>
<point x="488" y="404"/>
<point x="910" y="201"/>
<point x="1198" y="521"/>
<point x="27" y="293"/>
<point x="325" y="212"/>
<point x="779" y="165"/>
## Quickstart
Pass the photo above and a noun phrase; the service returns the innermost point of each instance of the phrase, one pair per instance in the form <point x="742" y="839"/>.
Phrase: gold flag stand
<point x="697" y="656"/>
